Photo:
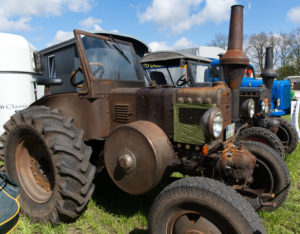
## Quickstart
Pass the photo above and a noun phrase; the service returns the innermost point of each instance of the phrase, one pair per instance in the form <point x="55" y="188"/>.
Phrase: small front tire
<point x="263" y="135"/>
<point x="270" y="175"/>
<point x="201" y="205"/>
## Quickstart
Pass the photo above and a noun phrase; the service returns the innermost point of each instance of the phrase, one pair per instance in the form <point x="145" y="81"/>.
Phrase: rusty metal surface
<point x="33" y="169"/>
<point x="92" y="117"/>
<point x="137" y="156"/>
<point x="235" y="54"/>
<point x="218" y="94"/>
<point x="235" y="60"/>
<point x="122" y="106"/>
<point x="156" y="105"/>
<point x="191" y="222"/>
<point x="241" y="160"/>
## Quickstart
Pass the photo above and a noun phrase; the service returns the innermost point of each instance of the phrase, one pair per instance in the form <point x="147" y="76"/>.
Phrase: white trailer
<point x="17" y="70"/>
<point x="210" y="52"/>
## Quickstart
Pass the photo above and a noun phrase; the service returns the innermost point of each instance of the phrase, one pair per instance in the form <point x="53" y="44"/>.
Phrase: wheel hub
<point x="34" y="169"/>
<point x="127" y="161"/>
<point x="190" y="222"/>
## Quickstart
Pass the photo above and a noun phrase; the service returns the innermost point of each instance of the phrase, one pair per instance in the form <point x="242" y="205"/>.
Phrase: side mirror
<point x="37" y="62"/>
<point x="48" y="81"/>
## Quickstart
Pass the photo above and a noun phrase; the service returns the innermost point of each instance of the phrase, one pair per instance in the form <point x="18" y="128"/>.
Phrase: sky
<point x="162" y="24"/>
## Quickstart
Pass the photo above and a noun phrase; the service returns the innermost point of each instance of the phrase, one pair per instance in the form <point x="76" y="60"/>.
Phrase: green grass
<point x="113" y="211"/>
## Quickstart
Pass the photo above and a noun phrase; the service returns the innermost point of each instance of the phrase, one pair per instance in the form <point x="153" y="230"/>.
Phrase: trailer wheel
<point x="270" y="175"/>
<point x="288" y="135"/>
<point x="201" y="205"/>
<point x="263" y="135"/>
<point x="46" y="155"/>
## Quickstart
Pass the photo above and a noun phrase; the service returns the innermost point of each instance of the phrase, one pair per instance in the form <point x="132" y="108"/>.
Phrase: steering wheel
<point x="72" y="80"/>
<point x="182" y="80"/>
<point x="96" y="71"/>
<point x="78" y="84"/>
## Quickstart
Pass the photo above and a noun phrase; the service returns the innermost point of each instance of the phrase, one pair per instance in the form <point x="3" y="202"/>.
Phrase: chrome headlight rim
<point x="248" y="108"/>
<point x="212" y="123"/>
<point x="251" y="108"/>
<point x="217" y="125"/>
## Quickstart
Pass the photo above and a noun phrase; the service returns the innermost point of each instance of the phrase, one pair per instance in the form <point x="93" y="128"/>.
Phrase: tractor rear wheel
<point x="46" y="155"/>
<point x="202" y="205"/>
<point x="263" y="135"/>
<point x="270" y="176"/>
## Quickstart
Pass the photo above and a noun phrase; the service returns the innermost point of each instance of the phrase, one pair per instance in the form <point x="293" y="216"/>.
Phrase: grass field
<point x="112" y="211"/>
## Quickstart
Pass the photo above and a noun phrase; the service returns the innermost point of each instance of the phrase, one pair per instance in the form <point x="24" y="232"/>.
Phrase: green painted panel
<point x="188" y="133"/>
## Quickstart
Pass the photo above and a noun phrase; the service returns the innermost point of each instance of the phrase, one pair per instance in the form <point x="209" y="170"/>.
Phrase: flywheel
<point x="137" y="156"/>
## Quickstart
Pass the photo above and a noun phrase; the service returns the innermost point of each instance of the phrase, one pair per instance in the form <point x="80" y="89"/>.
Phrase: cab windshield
<point x="170" y="75"/>
<point x="112" y="60"/>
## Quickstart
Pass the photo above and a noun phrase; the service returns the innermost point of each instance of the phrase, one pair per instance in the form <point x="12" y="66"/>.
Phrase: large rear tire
<point x="263" y="135"/>
<point x="46" y="155"/>
<point x="288" y="135"/>
<point x="270" y="175"/>
<point x="202" y="205"/>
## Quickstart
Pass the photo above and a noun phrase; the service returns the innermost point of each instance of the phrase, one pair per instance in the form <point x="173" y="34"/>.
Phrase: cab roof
<point x="172" y="58"/>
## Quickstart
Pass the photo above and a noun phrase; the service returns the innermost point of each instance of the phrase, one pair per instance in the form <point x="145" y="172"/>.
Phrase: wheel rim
<point x="283" y="135"/>
<point x="34" y="168"/>
<point x="191" y="222"/>
<point x="263" y="179"/>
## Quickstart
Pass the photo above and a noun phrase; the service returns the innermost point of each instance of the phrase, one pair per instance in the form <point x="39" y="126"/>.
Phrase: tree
<point x="285" y="71"/>
<point x="296" y="47"/>
<point x="220" y="40"/>
<point x="285" y="46"/>
<point x="256" y="45"/>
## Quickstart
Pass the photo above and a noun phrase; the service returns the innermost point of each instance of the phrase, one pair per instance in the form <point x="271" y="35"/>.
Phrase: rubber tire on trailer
<point x="288" y="135"/>
<point x="263" y="135"/>
<point x="269" y="165"/>
<point x="187" y="198"/>
<point x="41" y="148"/>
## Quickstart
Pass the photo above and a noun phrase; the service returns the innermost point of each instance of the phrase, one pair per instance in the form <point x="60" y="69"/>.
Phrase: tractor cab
<point x="174" y="68"/>
<point x="105" y="57"/>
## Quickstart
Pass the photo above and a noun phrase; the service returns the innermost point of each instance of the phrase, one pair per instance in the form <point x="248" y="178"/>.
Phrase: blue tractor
<point x="280" y="95"/>
<point x="267" y="93"/>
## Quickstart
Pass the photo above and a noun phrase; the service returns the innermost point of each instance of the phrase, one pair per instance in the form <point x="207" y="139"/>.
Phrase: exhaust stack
<point x="269" y="73"/>
<point x="234" y="60"/>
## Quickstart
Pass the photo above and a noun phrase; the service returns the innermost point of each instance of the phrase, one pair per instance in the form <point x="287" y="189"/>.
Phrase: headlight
<point x="212" y="123"/>
<point x="266" y="108"/>
<point x="217" y="124"/>
<point x="248" y="108"/>
<point x="263" y="106"/>
<point x="278" y="102"/>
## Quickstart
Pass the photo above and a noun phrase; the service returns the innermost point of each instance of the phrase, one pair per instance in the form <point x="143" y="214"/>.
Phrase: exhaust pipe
<point x="269" y="73"/>
<point x="234" y="61"/>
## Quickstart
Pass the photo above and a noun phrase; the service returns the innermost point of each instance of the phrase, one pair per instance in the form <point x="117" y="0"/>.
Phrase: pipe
<point x="234" y="61"/>
<point x="269" y="73"/>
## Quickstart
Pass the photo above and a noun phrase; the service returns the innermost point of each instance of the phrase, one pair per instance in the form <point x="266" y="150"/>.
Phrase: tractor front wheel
<point x="288" y="135"/>
<point x="202" y="205"/>
<point x="271" y="176"/>
<point x="263" y="135"/>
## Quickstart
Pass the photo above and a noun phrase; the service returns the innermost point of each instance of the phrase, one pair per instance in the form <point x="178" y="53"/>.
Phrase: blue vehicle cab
<point x="280" y="95"/>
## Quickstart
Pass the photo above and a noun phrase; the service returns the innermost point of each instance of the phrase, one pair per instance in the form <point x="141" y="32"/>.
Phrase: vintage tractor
<point x="140" y="135"/>
<point x="271" y="99"/>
